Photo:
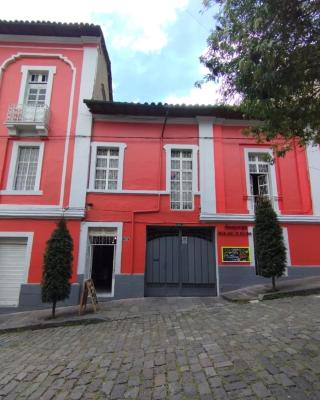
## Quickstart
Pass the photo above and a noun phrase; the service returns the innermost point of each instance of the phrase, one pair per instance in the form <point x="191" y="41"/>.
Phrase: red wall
<point x="141" y="172"/>
<point x="291" y="173"/>
<point x="61" y="96"/>
<point x="42" y="230"/>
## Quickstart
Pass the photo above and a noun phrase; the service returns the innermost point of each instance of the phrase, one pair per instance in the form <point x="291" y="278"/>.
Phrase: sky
<point x="154" y="45"/>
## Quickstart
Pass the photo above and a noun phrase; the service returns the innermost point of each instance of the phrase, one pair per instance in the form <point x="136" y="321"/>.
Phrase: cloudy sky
<point x="154" y="45"/>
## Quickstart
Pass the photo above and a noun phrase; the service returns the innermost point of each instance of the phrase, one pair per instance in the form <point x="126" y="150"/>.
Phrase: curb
<point x="273" y="296"/>
<point x="57" y="324"/>
<point x="293" y="293"/>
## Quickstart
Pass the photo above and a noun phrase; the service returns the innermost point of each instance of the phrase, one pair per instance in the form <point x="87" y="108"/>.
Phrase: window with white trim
<point x="259" y="175"/>
<point x="106" y="166"/>
<point x="36" y="85"/>
<point x="181" y="187"/>
<point x="36" y="88"/>
<point x="26" y="168"/>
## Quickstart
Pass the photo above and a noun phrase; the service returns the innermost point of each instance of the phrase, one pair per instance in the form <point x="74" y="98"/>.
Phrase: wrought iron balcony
<point x="28" y="120"/>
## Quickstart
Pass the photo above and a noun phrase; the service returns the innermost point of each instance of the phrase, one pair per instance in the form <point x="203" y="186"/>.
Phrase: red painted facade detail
<point x="40" y="84"/>
<point x="141" y="149"/>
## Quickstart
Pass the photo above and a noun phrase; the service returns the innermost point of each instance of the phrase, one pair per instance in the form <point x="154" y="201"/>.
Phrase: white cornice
<point x="297" y="219"/>
<point x="49" y="39"/>
<point x="144" y="119"/>
<point x="47" y="212"/>
<point x="172" y="120"/>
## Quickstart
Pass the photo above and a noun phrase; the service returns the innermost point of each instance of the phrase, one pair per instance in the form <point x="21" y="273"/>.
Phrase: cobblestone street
<point x="212" y="350"/>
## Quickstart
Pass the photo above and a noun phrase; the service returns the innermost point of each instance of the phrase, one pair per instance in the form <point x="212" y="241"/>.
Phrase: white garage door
<point x="12" y="269"/>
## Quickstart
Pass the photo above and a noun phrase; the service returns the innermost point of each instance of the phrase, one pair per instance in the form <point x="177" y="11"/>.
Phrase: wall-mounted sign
<point x="235" y="254"/>
<point x="234" y="230"/>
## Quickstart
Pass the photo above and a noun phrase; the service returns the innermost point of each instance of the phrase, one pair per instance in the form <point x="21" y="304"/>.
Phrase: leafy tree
<point x="270" y="251"/>
<point x="268" y="51"/>
<point x="57" y="266"/>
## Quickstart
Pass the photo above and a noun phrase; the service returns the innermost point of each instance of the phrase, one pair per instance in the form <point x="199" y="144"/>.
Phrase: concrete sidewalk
<point x="286" y="288"/>
<point x="118" y="310"/>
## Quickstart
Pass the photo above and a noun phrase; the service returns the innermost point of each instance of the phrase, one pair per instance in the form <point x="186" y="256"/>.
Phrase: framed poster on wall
<point x="235" y="254"/>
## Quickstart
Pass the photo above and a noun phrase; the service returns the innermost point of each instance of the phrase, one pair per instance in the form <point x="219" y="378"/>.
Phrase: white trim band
<point x="298" y="219"/>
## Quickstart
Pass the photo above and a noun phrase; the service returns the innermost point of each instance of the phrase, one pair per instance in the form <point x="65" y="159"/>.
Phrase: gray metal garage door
<point x="180" y="262"/>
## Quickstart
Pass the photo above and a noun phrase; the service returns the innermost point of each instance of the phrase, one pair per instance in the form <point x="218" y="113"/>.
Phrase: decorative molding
<point x="313" y="159"/>
<point x="49" y="39"/>
<point x="217" y="261"/>
<point x="207" y="165"/>
<point x="298" y="219"/>
<point x="130" y="191"/>
<point x="287" y="246"/>
<point x="81" y="160"/>
<point x="172" y="120"/>
<point x="39" y="211"/>
<point x="251" y="246"/>
<point x="65" y="59"/>
<point x="21" y="192"/>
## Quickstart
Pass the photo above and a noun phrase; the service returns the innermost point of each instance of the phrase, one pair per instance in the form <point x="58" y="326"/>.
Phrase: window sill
<point x="10" y="192"/>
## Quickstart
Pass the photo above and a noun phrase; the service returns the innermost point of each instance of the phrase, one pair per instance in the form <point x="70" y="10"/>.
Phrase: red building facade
<point x="47" y="70"/>
<point x="183" y="204"/>
<point x="159" y="199"/>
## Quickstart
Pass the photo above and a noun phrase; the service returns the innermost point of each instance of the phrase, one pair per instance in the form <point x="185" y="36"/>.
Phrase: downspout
<point x="153" y="210"/>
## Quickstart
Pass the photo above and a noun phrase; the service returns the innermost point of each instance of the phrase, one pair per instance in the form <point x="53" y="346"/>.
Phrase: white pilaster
<point x="207" y="166"/>
<point x="80" y="169"/>
<point x="313" y="157"/>
<point x="251" y="246"/>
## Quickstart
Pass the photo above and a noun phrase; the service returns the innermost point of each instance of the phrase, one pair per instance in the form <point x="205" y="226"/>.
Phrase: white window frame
<point x="110" y="145"/>
<point x="26" y="70"/>
<point x="194" y="148"/>
<point x="271" y="175"/>
<point x="83" y="248"/>
<point x="12" y="169"/>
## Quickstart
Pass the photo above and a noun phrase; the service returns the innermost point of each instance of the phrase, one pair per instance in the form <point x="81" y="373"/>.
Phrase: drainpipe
<point x="153" y="210"/>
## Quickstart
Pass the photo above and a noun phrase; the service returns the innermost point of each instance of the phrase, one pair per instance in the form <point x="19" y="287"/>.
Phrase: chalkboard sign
<point x="88" y="291"/>
<point x="235" y="254"/>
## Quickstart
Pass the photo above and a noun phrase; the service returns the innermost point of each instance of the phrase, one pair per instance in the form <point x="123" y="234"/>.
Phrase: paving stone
<point x="160" y="380"/>
<point x="173" y="349"/>
<point x="260" y="390"/>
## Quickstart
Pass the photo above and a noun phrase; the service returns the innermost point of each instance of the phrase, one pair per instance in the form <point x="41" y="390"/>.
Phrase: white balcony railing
<point x="27" y="119"/>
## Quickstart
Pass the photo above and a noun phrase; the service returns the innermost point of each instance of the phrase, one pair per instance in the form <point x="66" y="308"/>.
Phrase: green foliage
<point x="270" y="251"/>
<point x="268" y="51"/>
<point x="57" y="266"/>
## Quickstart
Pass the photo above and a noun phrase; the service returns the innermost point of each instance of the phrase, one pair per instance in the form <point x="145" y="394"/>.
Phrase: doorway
<point x="102" y="260"/>
<point x="180" y="262"/>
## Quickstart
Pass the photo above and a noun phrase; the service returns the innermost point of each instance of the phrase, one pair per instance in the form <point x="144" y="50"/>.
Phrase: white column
<point x="251" y="246"/>
<point x="313" y="157"/>
<point x="80" y="169"/>
<point x="207" y="166"/>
